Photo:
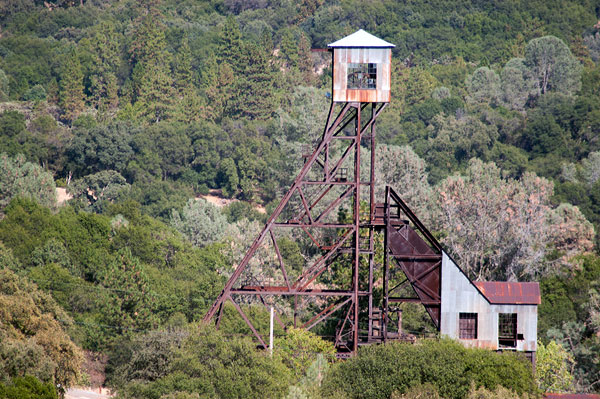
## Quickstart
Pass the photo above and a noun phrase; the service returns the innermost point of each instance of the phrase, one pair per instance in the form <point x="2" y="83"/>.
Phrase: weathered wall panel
<point x="344" y="56"/>
<point x="459" y="295"/>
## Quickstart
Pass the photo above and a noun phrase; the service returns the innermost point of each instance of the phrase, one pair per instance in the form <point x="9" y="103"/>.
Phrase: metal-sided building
<point x="493" y="315"/>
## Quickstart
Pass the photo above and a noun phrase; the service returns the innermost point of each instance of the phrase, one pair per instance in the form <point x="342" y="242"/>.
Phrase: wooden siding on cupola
<point x="361" y="48"/>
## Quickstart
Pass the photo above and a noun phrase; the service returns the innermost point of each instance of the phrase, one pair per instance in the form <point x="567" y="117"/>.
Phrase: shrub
<point x="378" y="371"/>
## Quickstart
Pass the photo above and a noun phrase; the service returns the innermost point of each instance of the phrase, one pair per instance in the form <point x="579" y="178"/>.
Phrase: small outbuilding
<point x="488" y="314"/>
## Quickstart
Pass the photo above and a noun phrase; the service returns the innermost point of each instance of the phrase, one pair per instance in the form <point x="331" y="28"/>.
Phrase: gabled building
<point x="491" y="314"/>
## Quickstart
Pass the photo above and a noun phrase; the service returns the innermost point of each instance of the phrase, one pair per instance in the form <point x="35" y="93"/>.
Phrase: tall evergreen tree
<point x="189" y="103"/>
<point x="148" y="37"/>
<point x="257" y="96"/>
<point x="184" y="75"/>
<point x="153" y="86"/>
<point x="71" y="87"/>
<point x="231" y="45"/>
<point x="156" y="95"/>
<point x="103" y="81"/>
<point x="217" y="84"/>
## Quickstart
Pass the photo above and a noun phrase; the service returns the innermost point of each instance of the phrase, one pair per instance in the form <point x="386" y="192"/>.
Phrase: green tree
<point x="33" y="340"/>
<point x="295" y="54"/>
<point x="148" y="36"/>
<point x="36" y="93"/>
<point x="218" y="85"/>
<point x="454" y="141"/>
<point x="213" y="365"/>
<point x="152" y="78"/>
<point x="299" y="348"/>
<point x="102" y="147"/>
<point x="104" y="45"/>
<point x="518" y="84"/>
<point x="416" y="85"/>
<point x="303" y="120"/>
<point x="200" y="222"/>
<point x="27" y="387"/>
<point x="230" y="48"/>
<point x="132" y="307"/>
<point x="95" y="191"/>
<point x="71" y="95"/>
<point x="19" y="178"/>
<point x="147" y="357"/>
<point x="380" y="370"/>
<point x="484" y="86"/>
<point x="156" y="93"/>
<point x="553" y="65"/>
<point x="552" y="368"/>
<point x="53" y="251"/>
<point x="257" y="97"/>
<point x="183" y="71"/>
<point x="228" y="176"/>
<point x="12" y="123"/>
<point x="4" y="86"/>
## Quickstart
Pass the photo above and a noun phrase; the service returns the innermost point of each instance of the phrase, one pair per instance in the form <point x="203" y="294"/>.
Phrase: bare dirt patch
<point x="62" y="196"/>
<point x="215" y="197"/>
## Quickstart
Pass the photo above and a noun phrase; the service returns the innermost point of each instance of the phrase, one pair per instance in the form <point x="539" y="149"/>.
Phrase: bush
<point x="36" y="93"/>
<point x="27" y="387"/>
<point x="380" y="370"/>
<point x="215" y="366"/>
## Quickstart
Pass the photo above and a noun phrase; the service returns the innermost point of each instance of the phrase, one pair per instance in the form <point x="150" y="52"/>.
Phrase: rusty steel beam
<point x="280" y="259"/>
<point x="356" y="228"/>
<point x="328" y="311"/>
<point x="248" y="322"/>
<point x="283" y="291"/>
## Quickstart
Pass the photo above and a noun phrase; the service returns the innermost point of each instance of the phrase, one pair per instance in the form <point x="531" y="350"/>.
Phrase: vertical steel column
<point x="371" y="220"/>
<point x="386" y="277"/>
<point x="356" y="223"/>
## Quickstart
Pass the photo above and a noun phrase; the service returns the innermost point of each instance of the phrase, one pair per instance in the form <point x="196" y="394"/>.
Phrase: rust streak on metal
<point x="505" y="292"/>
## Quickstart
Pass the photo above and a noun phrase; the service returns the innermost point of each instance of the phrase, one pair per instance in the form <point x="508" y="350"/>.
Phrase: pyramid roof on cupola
<point x="360" y="38"/>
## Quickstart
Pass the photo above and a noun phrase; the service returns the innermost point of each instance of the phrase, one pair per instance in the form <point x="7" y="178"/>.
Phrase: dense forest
<point x="138" y="108"/>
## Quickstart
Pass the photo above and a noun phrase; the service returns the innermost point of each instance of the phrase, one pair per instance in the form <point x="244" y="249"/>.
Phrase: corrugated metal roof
<point x="571" y="396"/>
<point x="360" y="38"/>
<point x="503" y="292"/>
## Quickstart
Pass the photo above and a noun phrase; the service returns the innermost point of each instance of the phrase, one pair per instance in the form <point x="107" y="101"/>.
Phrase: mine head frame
<point x="330" y="181"/>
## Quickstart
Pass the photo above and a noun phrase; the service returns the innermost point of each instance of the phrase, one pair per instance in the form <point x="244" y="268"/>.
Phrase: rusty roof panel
<point x="504" y="292"/>
<point x="571" y="396"/>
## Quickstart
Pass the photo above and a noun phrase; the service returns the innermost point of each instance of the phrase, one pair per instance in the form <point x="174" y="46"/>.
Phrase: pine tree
<point x="156" y="95"/>
<point x="305" y="61"/>
<point x="256" y="93"/>
<point x="289" y="48"/>
<point x="153" y="87"/>
<point x="217" y="84"/>
<point x="148" y="38"/>
<point x="184" y="75"/>
<point x="190" y="107"/>
<point x="103" y="81"/>
<point x="71" y="88"/>
<point x="231" y="45"/>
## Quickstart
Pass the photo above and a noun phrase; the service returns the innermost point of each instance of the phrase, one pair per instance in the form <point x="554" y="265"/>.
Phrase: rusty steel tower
<point x="332" y="204"/>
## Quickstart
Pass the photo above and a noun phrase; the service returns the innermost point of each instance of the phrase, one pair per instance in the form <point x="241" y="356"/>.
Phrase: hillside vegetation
<point x="140" y="107"/>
